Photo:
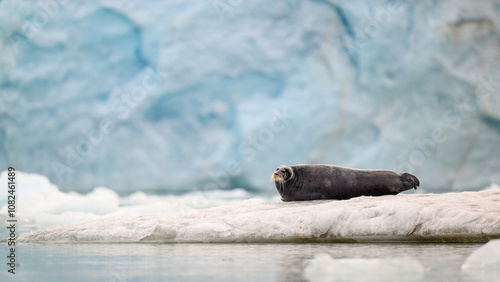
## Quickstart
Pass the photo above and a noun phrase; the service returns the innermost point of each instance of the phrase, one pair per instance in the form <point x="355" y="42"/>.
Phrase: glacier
<point x="448" y="217"/>
<point x="179" y="96"/>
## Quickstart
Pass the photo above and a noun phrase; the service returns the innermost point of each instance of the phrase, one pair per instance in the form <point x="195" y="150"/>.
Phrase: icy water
<point x="225" y="262"/>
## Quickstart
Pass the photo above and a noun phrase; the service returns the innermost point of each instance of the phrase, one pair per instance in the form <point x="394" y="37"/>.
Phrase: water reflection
<point x="221" y="262"/>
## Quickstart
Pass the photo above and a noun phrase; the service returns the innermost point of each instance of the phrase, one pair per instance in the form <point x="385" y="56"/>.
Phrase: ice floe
<point x="450" y="217"/>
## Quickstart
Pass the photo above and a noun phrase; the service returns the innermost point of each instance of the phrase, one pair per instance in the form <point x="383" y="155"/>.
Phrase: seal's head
<point x="282" y="174"/>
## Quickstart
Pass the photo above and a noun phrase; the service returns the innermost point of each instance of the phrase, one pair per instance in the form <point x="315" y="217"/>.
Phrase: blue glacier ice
<point x="180" y="96"/>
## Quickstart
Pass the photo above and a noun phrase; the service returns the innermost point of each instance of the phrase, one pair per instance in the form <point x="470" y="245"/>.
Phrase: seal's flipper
<point x="409" y="180"/>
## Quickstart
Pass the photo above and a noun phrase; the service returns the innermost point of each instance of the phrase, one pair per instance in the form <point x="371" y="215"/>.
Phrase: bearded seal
<point x="317" y="182"/>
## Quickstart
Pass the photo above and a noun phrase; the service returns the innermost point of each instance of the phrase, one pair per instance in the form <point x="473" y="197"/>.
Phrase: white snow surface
<point x="450" y="217"/>
<point x="40" y="203"/>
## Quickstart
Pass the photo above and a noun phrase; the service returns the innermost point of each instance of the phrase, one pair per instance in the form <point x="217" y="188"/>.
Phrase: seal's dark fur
<point x="315" y="182"/>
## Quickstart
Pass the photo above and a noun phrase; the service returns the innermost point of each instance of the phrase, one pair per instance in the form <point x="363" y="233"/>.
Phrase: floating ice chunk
<point x="325" y="268"/>
<point x="484" y="263"/>
<point x="486" y="257"/>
